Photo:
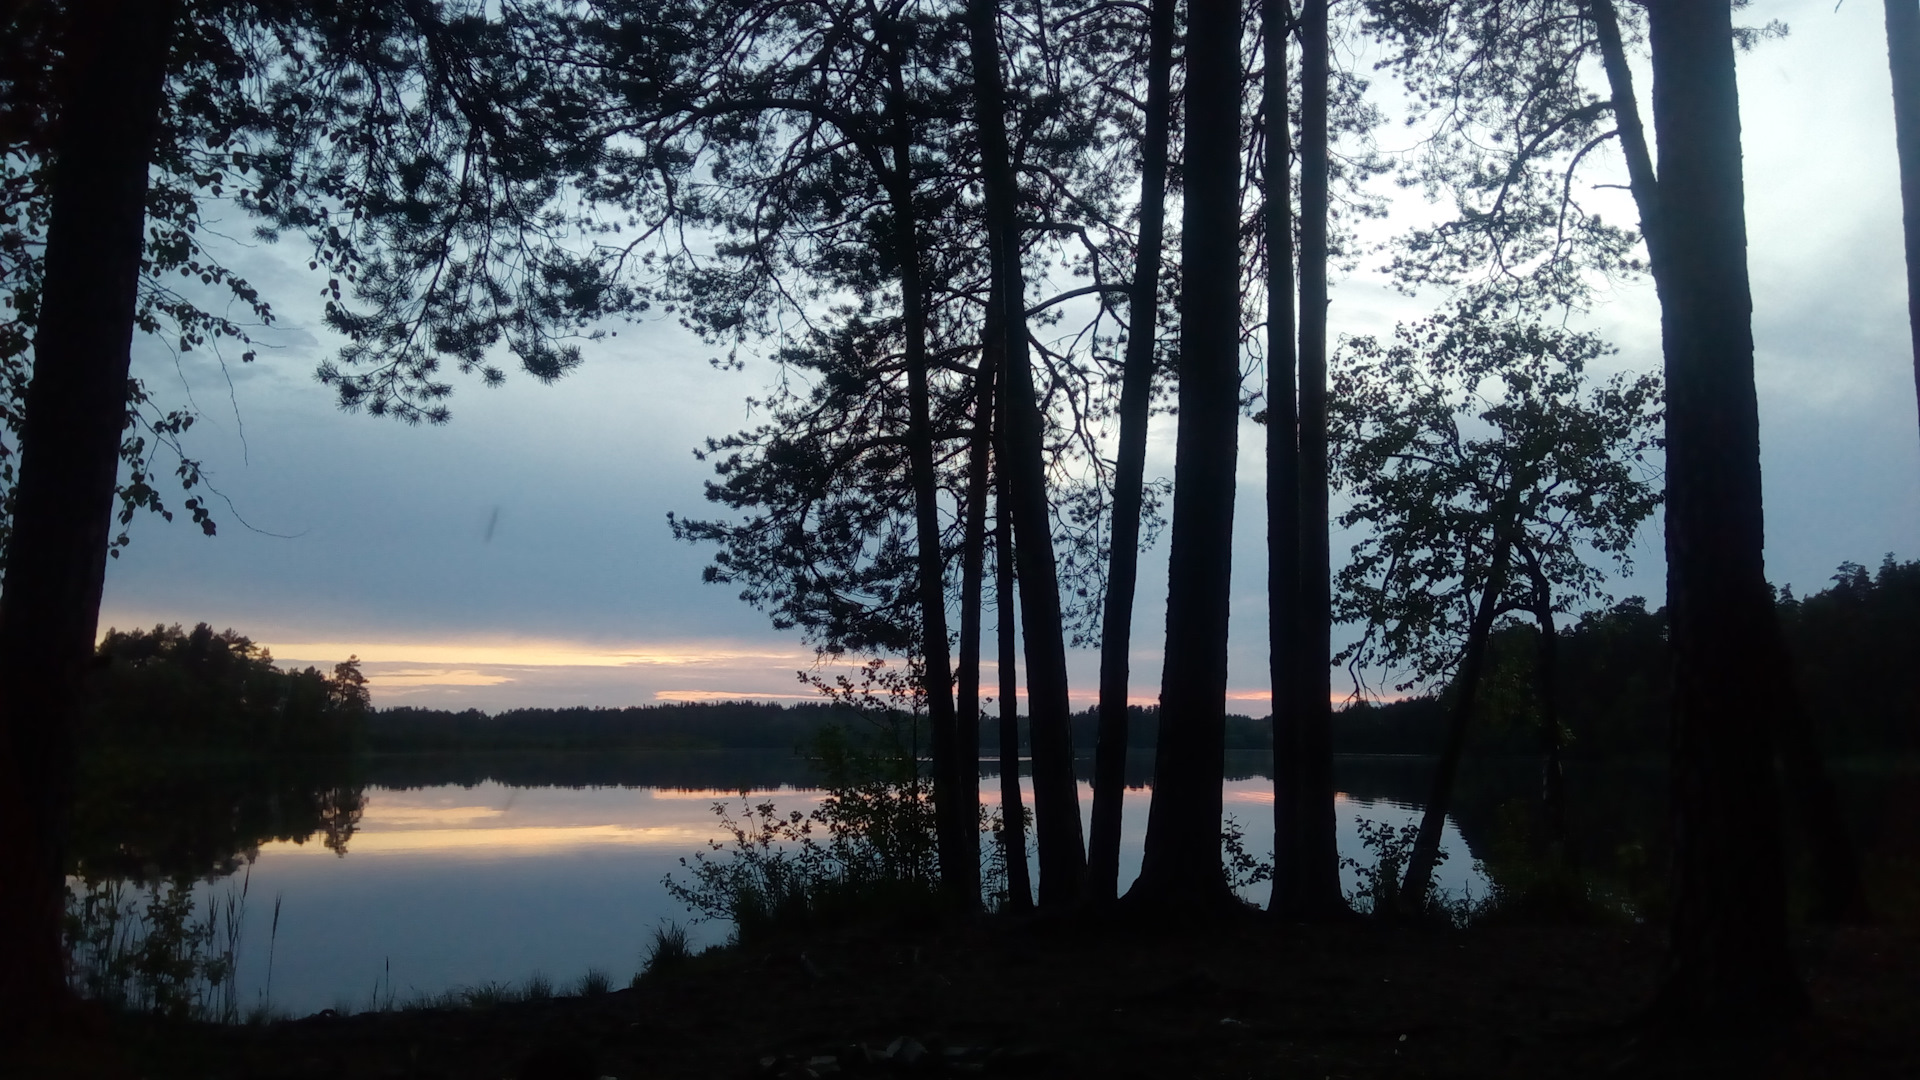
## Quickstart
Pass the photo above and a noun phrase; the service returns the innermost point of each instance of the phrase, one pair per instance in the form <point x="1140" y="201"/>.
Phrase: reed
<point x="150" y="948"/>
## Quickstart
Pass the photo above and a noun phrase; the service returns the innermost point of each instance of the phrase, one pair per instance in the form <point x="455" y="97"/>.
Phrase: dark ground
<point x="1243" y="999"/>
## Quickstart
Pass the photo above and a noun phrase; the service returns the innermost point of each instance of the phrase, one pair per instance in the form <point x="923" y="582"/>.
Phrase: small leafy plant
<point x="1243" y="870"/>
<point x="1379" y="891"/>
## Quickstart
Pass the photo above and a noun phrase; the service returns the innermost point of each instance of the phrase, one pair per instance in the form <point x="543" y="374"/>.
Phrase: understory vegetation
<point x="157" y="948"/>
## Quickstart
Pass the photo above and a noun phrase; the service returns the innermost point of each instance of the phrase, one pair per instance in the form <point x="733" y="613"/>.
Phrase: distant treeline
<point x="737" y="725"/>
<point x="745" y="725"/>
<point x="1856" y="659"/>
<point x="1854" y="646"/>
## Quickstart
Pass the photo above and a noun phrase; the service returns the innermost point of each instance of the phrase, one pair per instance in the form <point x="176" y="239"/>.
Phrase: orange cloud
<point x="407" y="679"/>
<point x="498" y="652"/>
<point x="728" y="695"/>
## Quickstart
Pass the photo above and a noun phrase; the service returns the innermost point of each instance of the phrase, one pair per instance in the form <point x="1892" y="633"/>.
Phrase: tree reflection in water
<point x="147" y="831"/>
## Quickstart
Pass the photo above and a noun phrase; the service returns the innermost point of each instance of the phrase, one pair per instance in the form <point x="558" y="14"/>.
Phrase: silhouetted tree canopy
<point x="1464" y="433"/>
<point x="174" y="689"/>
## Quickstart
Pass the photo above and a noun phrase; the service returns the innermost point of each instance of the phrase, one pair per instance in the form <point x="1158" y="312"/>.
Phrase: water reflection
<point x="455" y="884"/>
<point x="417" y="874"/>
<point x="145" y="818"/>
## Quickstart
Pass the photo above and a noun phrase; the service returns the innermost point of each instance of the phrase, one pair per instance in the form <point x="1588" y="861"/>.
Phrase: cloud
<point x="728" y="695"/>
<point x="507" y="652"/>
<point x="412" y="680"/>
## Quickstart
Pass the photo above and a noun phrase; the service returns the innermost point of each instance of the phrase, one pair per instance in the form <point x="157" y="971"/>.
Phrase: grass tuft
<point x="595" y="983"/>
<point x="667" y="951"/>
<point x="488" y="994"/>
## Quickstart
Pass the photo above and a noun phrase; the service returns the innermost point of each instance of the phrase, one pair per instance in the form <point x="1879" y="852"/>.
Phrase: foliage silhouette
<point x="1486" y="470"/>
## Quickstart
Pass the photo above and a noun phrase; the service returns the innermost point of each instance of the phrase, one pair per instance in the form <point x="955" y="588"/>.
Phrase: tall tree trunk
<point x="972" y="574"/>
<point x="1903" y="57"/>
<point x="1728" y="964"/>
<point x="1426" y="844"/>
<point x="1136" y="388"/>
<point x="958" y="846"/>
<point x="76" y="410"/>
<point x="1013" y="816"/>
<point x="1181" y="865"/>
<point x="1283" y="465"/>
<point x="1056" y="794"/>
<point x="1699" y="271"/>
<point x="1318" y="876"/>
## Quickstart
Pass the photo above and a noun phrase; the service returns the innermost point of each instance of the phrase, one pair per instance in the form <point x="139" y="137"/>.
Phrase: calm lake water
<point x="451" y="885"/>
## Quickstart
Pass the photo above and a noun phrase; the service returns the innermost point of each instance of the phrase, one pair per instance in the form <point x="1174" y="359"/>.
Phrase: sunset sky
<point x="521" y="556"/>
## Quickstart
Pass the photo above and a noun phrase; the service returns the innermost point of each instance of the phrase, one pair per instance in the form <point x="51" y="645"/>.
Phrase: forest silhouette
<point x="987" y="243"/>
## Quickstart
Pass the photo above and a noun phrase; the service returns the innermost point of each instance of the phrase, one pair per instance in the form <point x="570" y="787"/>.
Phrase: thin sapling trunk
<point x="1136" y="387"/>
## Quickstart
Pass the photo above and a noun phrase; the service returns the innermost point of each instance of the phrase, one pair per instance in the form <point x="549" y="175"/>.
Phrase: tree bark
<point x="1056" y="794"/>
<point x="1013" y="824"/>
<point x="75" y="413"/>
<point x="1181" y="864"/>
<point x="1903" y="58"/>
<point x="972" y="574"/>
<point x="1318" y="877"/>
<point x="1728" y="965"/>
<point x="1136" y="388"/>
<point x="1426" y="844"/>
<point x="1283" y="467"/>
<point x="959" y="850"/>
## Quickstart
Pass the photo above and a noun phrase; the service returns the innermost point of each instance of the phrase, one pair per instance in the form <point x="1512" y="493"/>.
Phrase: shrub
<point x="868" y="850"/>
<point x="1379" y="891"/>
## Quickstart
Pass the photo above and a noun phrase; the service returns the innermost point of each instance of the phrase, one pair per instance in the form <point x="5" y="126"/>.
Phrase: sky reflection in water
<point x="453" y="886"/>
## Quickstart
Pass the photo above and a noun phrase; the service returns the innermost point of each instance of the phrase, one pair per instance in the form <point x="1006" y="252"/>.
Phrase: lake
<point x="491" y="876"/>
<point x="402" y="876"/>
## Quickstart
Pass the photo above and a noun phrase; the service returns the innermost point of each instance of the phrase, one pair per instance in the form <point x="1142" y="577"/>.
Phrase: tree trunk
<point x="1839" y="893"/>
<point x="1056" y="794"/>
<point x="1633" y="136"/>
<point x="1181" y="865"/>
<point x="1903" y="57"/>
<point x="1136" y="389"/>
<point x="958" y="846"/>
<point x="1426" y="845"/>
<point x="76" y="410"/>
<point x="972" y="573"/>
<point x="1728" y="965"/>
<point x="1553" y="778"/>
<point x="1013" y="824"/>
<point x="1283" y="468"/>
<point x="1318" y="877"/>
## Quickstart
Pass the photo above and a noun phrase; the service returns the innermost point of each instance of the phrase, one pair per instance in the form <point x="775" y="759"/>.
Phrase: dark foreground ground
<point x="1038" y="1000"/>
